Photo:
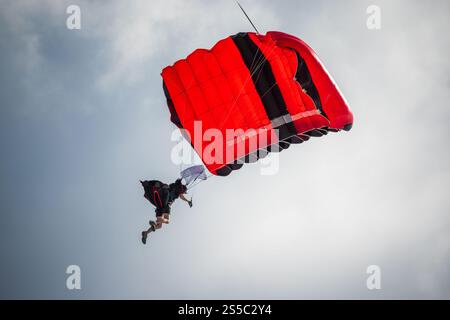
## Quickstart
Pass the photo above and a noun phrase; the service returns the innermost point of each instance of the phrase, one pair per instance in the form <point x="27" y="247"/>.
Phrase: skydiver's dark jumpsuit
<point x="160" y="195"/>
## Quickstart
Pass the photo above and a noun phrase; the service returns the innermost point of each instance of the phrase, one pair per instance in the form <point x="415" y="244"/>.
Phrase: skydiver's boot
<point x="151" y="229"/>
<point x="144" y="237"/>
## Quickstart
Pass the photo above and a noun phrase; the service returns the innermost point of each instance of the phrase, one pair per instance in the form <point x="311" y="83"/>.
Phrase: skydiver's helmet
<point x="181" y="188"/>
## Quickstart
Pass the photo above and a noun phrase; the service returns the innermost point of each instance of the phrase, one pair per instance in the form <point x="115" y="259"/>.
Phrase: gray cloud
<point x="83" y="118"/>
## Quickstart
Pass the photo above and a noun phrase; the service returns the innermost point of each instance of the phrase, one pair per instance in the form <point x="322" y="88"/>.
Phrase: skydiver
<point x="162" y="197"/>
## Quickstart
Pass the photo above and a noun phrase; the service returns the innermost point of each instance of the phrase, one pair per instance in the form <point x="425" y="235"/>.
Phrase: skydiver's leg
<point x="159" y="222"/>
<point x="165" y="217"/>
<point x="146" y="232"/>
<point x="144" y="237"/>
<point x="152" y="226"/>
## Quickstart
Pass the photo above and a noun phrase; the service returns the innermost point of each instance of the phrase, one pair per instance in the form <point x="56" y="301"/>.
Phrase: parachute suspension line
<point x="249" y="20"/>
<point x="192" y="187"/>
<point x="208" y="175"/>
<point x="261" y="69"/>
<point x="256" y="59"/>
<point x="258" y="66"/>
<point x="194" y="184"/>
<point x="268" y="90"/>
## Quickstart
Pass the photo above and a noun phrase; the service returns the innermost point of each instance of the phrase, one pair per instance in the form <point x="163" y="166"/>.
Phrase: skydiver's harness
<point x="161" y="195"/>
<point x="158" y="194"/>
<point x="155" y="194"/>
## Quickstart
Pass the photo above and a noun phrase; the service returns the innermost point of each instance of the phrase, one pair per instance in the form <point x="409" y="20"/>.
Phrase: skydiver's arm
<point x="182" y="197"/>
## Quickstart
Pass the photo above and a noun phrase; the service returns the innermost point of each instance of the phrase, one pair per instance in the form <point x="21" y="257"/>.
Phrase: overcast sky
<point x="83" y="118"/>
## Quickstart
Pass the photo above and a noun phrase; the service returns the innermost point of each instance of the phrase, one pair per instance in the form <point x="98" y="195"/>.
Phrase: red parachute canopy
<point x="272" y="87"/>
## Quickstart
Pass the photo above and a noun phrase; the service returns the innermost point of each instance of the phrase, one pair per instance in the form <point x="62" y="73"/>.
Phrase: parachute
<point x="193" y="174"/>
<point x="270" y="90"/>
